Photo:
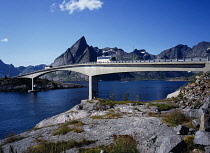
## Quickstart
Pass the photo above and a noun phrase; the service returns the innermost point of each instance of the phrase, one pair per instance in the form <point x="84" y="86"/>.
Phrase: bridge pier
<point x="93" y="87"/>
<point x="33" y="85"/>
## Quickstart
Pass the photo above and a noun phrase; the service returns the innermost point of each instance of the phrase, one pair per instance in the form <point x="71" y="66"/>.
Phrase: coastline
<point x="96" y="123"/>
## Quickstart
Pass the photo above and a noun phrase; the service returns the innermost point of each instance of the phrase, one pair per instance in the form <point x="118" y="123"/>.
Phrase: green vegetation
<point x="74" y="122"/>
<point x="104" y="102"/>
<point x="163" y="107"/>
<point x="189" y="140"/>
<point x="122" y="144"/>
<point x="12" y="139"/>
<point x="109" y="115"/>
<point x="175" y="118"/>
<point x="64" y="129"/>
<point x="190" y="146"/>
<point x="50" y="147"/>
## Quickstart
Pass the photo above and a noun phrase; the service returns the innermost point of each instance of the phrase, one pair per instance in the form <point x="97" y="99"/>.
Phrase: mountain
<point x="9" y="70"/>
<point x="80" y="52"/>
<point x="200" y="50"/>
<point x="183" y="51"/>
<point x="120" y="54"/>
<point x="179" y="51"/>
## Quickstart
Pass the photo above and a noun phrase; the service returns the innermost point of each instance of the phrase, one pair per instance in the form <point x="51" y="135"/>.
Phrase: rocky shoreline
<point x="106" y="126"/>
<point x="17" y="85"/>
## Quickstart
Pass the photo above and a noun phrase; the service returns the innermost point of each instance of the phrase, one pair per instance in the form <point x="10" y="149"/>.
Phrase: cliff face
<point x="8" y="70"/>
<point x="80" y="52"/>
<point x="181" y="51"/>
<point x="200" y="50"/>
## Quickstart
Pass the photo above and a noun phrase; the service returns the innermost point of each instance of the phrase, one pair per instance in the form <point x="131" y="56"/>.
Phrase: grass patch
<point x="122" y="144"/>
<point x="190" y="146"/>
<point x="74" y="122"/>
<point x="11" y="140"/>
<point x="163" y="107"/>
<point x="98" y="117"/>
<point x="137" y="109"/>
<point x="105" y="102"/>
<point x="64" y="129"/>
<point x="175" y="118"/>
<point x="108" y="115"/>
<point x="50" y="147"/>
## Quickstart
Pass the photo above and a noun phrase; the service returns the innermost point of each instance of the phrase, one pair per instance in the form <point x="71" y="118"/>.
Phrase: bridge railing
<point x="128" y="61"/>
<point x="153" y="60"/>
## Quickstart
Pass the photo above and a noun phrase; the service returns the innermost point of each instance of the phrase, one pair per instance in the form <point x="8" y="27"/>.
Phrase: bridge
<point x="94" y="69"/>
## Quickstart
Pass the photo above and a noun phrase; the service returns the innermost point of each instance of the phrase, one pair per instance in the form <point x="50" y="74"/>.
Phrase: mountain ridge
<point x="81" y="52"/>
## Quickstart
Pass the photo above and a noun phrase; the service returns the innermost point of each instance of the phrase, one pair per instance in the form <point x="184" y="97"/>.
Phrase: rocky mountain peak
<point x="180" y="51"/>
<point x="78" y="53"/>
<point x="79" y="46"/>
<point x="200" y="49"/>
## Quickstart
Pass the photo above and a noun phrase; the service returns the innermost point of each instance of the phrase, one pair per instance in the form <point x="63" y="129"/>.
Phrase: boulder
<point x="181" y="130"/>
<point x="202" y="138"/>
<point x="205" y="122"/>
<point x="196" y="123"/>
<point x="207" y="149"/>
<point x="194" y="112"/>
<point x="174" y="94"/>
<point x="169" y="143"/>
<point x="206" y="107"/>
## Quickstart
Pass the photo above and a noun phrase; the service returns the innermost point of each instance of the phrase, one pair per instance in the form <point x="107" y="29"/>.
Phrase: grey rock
<point x="169" y="143"/>
<point x="197" y="113"/>
<point x="202" y="138"/>
<point x="206" y="107"/>
<point x="181" y="130"/>
<point x="73" y="150"/>
<point x="207" y="149"/>
<point x="196" y="123"/>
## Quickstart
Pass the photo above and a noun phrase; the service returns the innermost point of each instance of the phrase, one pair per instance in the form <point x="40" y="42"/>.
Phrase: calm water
<point x="21" y="111"/>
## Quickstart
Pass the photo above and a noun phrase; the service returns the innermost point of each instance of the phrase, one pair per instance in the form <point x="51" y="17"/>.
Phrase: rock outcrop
<point x="13" y="84"/>
<point x="151" y="134"/>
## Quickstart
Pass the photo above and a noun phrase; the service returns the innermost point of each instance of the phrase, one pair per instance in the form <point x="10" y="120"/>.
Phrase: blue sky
<point x="36" y="32"/>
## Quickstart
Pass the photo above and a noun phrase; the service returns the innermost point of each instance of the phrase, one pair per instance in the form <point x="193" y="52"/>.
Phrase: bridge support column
<point x="33" y="85"/>
<point x="93" y="87"/>
<point x="207" y="67"/>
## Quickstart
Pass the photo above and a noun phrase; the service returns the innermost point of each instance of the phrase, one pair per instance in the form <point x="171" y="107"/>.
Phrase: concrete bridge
<point x="93" y="70"/>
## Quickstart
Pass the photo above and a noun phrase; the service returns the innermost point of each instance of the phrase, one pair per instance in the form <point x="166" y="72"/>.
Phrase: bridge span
<point x="93" y="70"/>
